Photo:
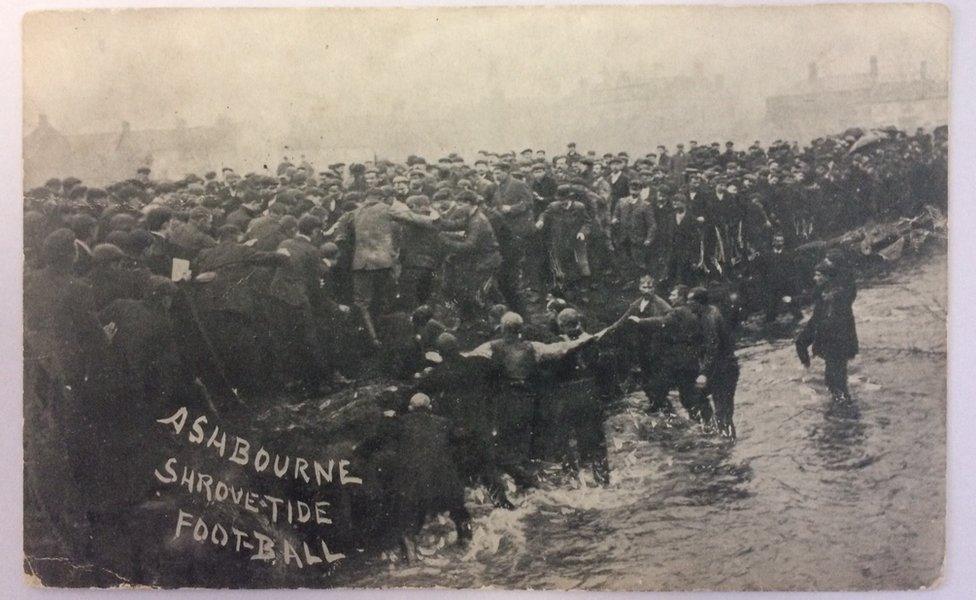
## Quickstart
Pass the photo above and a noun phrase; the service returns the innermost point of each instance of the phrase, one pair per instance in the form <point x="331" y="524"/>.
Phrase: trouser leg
<point x="655" y="386"/>
<point x="692" y="399"/>
<point x="591" y="441"/>
<point x="313" y="357"/>
<point x="722" y="388"/>
<point x="772" y="305"/>
<point x="536" y="265"/>
<point x="835" y="376"/>
<point x="408" y="287"/>
<point x="425" y="286"/>
<point x="509" y="275"/>
<point x="469" y="293"/>
<point x="236" y="344"/>
<point x="381" y="283"/>
<point x="415" y="286"/>
<point x="513" y="442"/>
<point x="492" y="478"/>
<point x="284" y="334"/>
<point x="462" y="521"/>
<point x="363" y="297"/>
<point x="794" y="305"/>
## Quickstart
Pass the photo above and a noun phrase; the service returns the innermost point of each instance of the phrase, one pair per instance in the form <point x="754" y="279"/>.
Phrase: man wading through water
<point x="831" y="329"/>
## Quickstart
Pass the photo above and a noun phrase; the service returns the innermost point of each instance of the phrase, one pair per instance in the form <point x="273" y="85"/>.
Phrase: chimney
<point x="812" y="72"/>
<point x="874" y="67"/>
<point x="923" y="71"/>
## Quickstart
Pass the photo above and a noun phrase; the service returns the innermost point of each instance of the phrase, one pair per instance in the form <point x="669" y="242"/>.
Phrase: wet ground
<point x="813" y="495"/>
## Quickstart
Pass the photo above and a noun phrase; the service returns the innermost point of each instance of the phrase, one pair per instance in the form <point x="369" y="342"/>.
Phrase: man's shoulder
<point x="660" y="303"/>
<point x="480" y="217"/>
<point x="304" y="243"/>
<point x="291" y="244"/>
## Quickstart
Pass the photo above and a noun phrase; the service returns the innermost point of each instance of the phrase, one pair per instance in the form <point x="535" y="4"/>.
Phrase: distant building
<point x="104" y="157"/>
<point x="828" y="105"/>
<point x="640" y="110"/>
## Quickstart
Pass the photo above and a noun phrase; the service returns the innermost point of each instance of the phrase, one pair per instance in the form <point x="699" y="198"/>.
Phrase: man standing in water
<point x="831" y="329"/>
<point x="719" y="366"/>
<point x="680" y="361"/>
<point x="647" y="345"/>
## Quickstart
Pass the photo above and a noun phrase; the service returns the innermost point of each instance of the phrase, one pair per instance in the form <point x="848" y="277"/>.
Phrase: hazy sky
<point x="90" y="70"/>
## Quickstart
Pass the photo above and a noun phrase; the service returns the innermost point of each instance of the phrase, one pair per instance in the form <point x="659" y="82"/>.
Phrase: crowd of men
<point x="228" y="287"/>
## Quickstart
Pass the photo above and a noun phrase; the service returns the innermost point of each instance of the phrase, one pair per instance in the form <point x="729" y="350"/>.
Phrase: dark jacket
<point x="647" y="343"/>
<point x="235" y="266"/>
<point x="681" y="336"/>
<point x="516" y="195"/>
<point x="374" y="229"/>
<point x="831" y="328"/>
<point x="456" y="388"/>
<point x="412" y="461"/>
<point x="756" y="228"/>
<point x="779" y="272"/>
<point x="420" y="247"/>
<point x="110" y="284"/>
<point x="60" y="325"/>
<point x="686" y="244"/>
<point x="543" y="192"/>
<point x="478" y="250"/>
<point x="239" y="217"/>
<point x="297" y="281"/>
<point x="619" y="188"/>
<point x="561" y="225"/>
<point x="636" y="221"/>
<point x="719" y="347"/>
<point x="427" y="472"/>
<point x="664" y="235"/>
<point x="146" y="339"/>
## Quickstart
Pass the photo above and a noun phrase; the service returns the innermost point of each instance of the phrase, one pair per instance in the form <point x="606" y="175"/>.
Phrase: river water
<point x="813" y="495"/>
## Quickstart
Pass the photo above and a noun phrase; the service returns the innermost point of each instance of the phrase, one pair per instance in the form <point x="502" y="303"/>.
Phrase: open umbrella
<point x="868" y="139"/>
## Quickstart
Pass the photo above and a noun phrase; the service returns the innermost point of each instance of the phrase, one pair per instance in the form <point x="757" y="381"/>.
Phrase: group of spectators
<point x="227" y="287"/>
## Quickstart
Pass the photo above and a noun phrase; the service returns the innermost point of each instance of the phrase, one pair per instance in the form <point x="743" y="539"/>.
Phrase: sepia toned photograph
<point x="645" y="298"/>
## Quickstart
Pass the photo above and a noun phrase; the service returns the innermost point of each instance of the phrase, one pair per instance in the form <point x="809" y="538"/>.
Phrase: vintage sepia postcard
<point x="589" y="298"/>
